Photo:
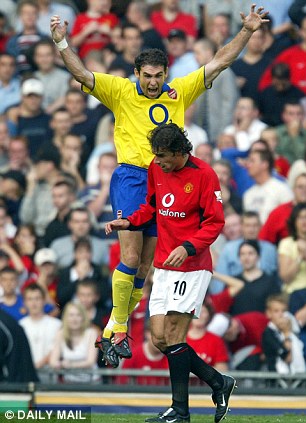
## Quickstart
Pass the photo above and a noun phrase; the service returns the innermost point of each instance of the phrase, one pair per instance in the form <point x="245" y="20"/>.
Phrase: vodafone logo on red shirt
<point x="167" y="201"/>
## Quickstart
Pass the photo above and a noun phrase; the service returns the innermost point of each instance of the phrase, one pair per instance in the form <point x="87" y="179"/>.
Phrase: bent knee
<point x="159" y="343"/>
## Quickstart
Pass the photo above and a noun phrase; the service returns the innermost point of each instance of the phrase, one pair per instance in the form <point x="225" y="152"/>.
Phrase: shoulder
<point x="60" y="241"/>
<point x="24" y="321"/>
<point x="52" y="321"/>
<point x="267" y="246"/>
<point x="286" y="243"/>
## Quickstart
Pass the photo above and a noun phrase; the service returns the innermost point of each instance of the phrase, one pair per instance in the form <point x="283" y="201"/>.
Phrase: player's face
<point x="151" y="79"/>
<point x="169" y="161"/>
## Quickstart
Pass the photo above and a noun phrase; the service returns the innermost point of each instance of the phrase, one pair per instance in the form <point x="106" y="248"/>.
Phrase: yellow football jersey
<point x="136" y="115"/>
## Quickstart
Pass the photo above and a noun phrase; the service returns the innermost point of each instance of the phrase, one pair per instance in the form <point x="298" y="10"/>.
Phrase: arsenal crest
<point x="172" y="93"/>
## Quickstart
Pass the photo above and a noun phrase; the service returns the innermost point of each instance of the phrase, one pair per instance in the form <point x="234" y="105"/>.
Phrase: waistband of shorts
<point x="143" y="169"/>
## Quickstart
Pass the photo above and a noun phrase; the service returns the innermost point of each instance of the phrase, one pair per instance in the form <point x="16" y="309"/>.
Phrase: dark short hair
<point x="130" y="25"/>
<point x="291" y="223"/>
<point x="78" y="209"/>
<point x="252" y="243"/>
<point x="280" y="70"/>
<point x="171" y="137"/>
<point x="88" y="283"/>
<point x="265" y="156"/>
<point x="250" y="213"/>
<point x="34" y="287"/>
<point x="8" y="269"/>
<point x="82" y="243"/>
<point x="65" y="183"/>
<point x="153" y="57"/>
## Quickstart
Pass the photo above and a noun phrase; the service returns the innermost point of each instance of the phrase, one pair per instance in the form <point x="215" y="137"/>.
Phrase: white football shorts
<point x="183" y="292"/>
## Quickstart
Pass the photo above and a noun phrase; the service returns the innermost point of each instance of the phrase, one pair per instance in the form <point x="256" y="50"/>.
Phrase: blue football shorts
<point x="128" y="190"/>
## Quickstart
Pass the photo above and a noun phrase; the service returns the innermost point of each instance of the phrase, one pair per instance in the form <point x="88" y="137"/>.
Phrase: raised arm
<point x="227" y="54"/>
<point x="72" y="62"/>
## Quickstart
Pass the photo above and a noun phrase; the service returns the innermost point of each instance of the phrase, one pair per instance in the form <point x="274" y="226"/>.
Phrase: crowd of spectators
<point x="57" y="156"/>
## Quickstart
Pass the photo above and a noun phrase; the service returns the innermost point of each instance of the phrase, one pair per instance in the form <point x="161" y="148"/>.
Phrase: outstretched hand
<point x="116" y="225"/>
<point x="254" y="19"/>
<point x="58" y="31"/>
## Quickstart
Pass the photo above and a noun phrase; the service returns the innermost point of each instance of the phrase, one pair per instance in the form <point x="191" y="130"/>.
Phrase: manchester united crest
<point x="188" y="188"/>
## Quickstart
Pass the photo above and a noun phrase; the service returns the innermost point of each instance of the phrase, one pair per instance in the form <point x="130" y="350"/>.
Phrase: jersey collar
<point x="165" y="88"/>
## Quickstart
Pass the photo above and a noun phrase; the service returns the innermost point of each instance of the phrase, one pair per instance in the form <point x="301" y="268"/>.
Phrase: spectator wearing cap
<point x="28" y="119"/>
<point x="183" y="61"/>
<point x="45" y="276"/>
<point x="281" y="91"/>
<point x="170" y="16"/>
<point x="37" y="206"/>
<point x="12" y="189"/>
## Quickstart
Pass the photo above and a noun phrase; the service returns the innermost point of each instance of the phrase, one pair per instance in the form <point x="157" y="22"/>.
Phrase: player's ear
<point x="136" y="73"/>
<point x="166" y="72"/>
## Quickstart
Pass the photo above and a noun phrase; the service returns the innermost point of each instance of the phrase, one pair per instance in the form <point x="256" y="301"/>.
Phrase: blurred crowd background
<point x="57" y="156"/>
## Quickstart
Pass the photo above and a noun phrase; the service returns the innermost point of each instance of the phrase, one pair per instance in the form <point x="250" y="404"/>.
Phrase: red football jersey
<point x="187" y="206"/>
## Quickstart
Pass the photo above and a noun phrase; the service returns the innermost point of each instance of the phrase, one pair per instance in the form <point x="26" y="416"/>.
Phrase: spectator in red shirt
<point x="170" y="17"/>
<point x="295" y="57"/>
<point x="210" y="347"/>
<point x="275" y="227"/>
<point x="91" y="29"/>
<point x="145" y="357"/>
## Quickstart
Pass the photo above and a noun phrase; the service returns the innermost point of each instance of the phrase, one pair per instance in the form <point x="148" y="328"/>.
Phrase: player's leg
<point x="147" y="254"/>
<point x="169" y="330"/>
<point x="175" y="327"/>
<point x="122" y="288"/>
<point x="127" y="191"/>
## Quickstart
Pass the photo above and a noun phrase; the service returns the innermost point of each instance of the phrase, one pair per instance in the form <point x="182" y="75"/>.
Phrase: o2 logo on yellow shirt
<point x="158" y="114"/>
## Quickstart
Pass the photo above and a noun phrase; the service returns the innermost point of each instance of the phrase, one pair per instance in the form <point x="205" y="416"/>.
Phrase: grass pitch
<point x="136" y="418"/>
